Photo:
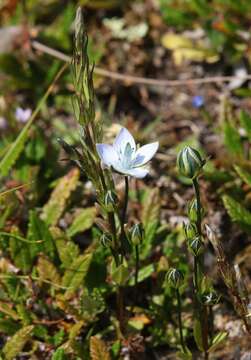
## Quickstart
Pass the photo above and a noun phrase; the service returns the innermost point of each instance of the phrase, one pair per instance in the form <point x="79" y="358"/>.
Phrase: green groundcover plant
<point x="112" y="295"/>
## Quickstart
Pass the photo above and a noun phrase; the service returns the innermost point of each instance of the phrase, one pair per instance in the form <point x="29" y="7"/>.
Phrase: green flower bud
<point x="106" y="240"/>
<point x="193" y="211"/>
<point x="195" y="245"/>
<point x="110" y="200"/>
<point x="189" y="162"/>
<point x="174" y="278"/>
<point x="210" y="298"/>
<point x="190" y="230"/>
<point x="137" y="234"/>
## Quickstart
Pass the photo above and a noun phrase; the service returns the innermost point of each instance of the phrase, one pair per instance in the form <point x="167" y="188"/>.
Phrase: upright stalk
<point x="180" y="321"/>
<point x="136" y="265"/>
<point x="198" y="267"/>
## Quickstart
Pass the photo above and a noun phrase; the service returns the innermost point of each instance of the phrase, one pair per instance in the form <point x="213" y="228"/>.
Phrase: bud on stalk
<point x="189" y="162"/>
<point x="174" y="278"/>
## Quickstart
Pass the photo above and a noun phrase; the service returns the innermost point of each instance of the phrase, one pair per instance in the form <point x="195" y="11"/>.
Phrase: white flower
<point x="124" y="157"/>
<point x="22" y="115"/>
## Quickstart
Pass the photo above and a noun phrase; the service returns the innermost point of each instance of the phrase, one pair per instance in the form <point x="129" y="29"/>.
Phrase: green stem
<point x="120" y="309"/>
<point x="125" y="200"/>
<point x="197" y="194"/>
<point x="136" y="265"/>
<point x="198" y="266"/>
<point x="123" y="239"/>
<point x="180" y="321"/>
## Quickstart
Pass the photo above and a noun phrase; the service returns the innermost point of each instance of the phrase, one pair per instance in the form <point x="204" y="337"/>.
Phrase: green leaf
<point x="9" y="327"/>
<point x="144" y="273"/>
<point x="244" y="175"/>
<point x="47" y="270"/>
<point x="245" y="120"/>
<point x="218" y="340"/>
<point x="197" y="332"/>
<point x="59" y="354"/>
<point x="18" y="145"/>
<point x="83" y="221"/>
<point x="67" y="250"/>
<point x="232" y="139"/>
<point x="150" y="219"/>
<point x="237" y="212"/>
<point x="38" y="230"/>
<point x="75" y="275"/>
<point x="20" y="252"/>
<point x="120" y="275"/>
<point x="55" y="207"/>
<point x="15" y="345"/>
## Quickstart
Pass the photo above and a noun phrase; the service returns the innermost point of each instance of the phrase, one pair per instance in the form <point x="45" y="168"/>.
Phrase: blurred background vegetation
<point x="48" y="226"/>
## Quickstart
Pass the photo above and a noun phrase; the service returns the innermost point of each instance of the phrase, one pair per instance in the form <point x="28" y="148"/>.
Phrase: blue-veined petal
<point x="137" y="172"/>
<point x="107" y="154"/>
<point x="145" y="153"/>
<point x="121" y="141"/>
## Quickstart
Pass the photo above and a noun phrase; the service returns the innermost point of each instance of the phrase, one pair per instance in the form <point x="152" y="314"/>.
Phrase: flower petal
<point x="123" y="138"/>
<point x="145" y="153"/>
<point x="107" y="154"/>
<point x="138" y="172"/>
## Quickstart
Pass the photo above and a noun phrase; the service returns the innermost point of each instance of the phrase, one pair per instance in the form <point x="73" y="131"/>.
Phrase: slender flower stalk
<point x="182" y="342"/>
<point x="190" y="164"/>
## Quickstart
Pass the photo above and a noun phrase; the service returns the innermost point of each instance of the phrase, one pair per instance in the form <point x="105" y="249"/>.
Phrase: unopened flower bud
<point x="193" y="211"/>
<point x="189" y="162"/>
<point x="210" y="298"/>
<point x="174" y="278"/>
<point x="190" y="230"/>
<point x="137" y="234"/>
<point x="195" y="245"/>
<point x="110" y="200"/>
<point x="106" y="240"/>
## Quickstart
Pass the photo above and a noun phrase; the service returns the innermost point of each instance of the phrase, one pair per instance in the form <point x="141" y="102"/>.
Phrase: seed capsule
<point x="190" y="230"/>
<point x="110" y="200"/>
<point x="174" y="278"/>
<point x="195" y="245"/>
<point x="189" y="162"/>
<point x="193" y="211"/>
<point x="137" y="234"/>
<point x="106" y="240"/>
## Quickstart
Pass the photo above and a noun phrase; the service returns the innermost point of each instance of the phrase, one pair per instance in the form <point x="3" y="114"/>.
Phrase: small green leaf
<point x="245" y="175"/>
<point x="14" y="345"/>
<point x="47" y="270"/>
<point x="83" y="221"/>
<point x="237" y="212"/>
<point x="144" y="273"/>
<point x="232" y="139"/>
<point x="59" y="354"/>
<point x="218" y="340"/>
<point x="75" y="275"/>
<point x="55" y="207"/>
<point x="120" y="275"/>
<point x="245" y="120"/>
<point x="198" y="334"/>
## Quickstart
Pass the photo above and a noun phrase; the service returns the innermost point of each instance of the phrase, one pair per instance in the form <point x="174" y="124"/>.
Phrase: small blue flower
<point x="198" y="101"/>
<point x="124" y="157"/>
<point x="22" y="115"/>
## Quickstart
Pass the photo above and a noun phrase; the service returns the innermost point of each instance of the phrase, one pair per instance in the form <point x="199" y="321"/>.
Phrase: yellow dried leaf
<point x="98" y="350"/>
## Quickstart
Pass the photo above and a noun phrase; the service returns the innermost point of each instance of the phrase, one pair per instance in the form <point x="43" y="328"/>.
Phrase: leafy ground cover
<point x="89" y="270"/>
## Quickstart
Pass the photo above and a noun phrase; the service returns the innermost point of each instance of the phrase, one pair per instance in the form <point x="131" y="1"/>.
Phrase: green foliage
<point x="39" y="233"/>
<point x="82" y="222"/>
<point x="237" y="212"/>
<point x="75" y="275"/>
<point x="15" y="344"/>
<point x="53" y="210"/>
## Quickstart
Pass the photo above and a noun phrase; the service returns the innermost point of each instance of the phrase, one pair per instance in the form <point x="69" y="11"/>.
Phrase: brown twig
<point x="131" y="79"/>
